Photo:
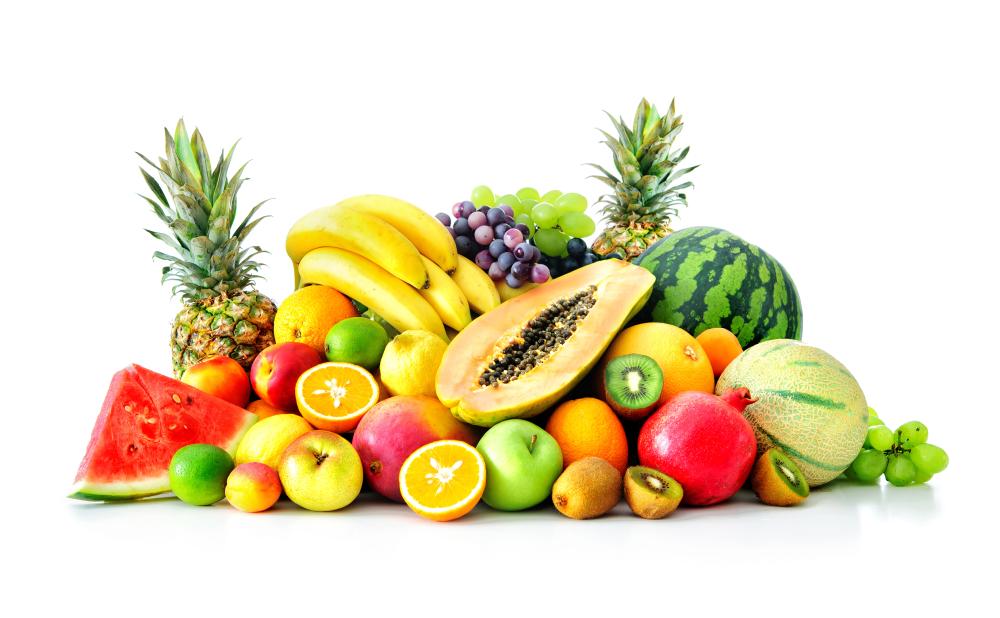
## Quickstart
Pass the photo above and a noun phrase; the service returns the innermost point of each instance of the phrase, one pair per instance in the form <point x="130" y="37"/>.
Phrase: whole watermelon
<point x="707" y="277"/>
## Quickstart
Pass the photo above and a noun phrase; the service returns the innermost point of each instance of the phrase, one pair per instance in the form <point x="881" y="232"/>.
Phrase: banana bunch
<point x="393" y="257"/>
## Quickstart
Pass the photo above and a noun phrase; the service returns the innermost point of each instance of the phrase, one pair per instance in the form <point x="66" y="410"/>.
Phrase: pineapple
<point x="223" y="314"/>
<point x="645" y="196"/>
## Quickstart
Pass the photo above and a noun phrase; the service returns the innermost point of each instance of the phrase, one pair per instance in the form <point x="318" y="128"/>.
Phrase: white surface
<point x="857" y="143"/>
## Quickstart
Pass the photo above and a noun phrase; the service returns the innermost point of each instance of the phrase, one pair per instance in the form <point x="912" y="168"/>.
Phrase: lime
<point x="358" y="341"/>
<point x="198" y="473"/>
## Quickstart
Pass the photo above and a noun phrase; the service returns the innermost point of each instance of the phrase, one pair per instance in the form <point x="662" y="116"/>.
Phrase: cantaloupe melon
<point x="808" y="405"/>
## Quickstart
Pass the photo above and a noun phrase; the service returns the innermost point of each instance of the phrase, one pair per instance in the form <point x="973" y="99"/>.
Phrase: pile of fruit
<point x="659" y="366"/>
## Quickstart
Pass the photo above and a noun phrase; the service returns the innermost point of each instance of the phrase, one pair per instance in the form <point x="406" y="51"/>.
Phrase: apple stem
<point x="531" y="445"/>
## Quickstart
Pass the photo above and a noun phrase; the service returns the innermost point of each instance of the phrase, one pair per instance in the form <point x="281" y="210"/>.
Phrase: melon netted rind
<point x="808" y="405"/>
<point x="707" y="277"/>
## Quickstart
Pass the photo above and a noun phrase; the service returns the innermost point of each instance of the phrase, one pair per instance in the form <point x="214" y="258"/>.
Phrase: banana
<point x="363" y="280"/>
<point x="446" y="297"/>
<point x="360" y="233"/>
<point x="430" y="237"/>
<point x="476" y="285"/>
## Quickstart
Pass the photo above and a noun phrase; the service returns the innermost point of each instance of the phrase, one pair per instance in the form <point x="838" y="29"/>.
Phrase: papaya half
<point x="521" y="358"/>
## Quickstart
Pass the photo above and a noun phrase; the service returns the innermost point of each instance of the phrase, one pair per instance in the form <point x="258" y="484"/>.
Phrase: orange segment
<point x="334" y="396"/>
<point x="443" y="480"/>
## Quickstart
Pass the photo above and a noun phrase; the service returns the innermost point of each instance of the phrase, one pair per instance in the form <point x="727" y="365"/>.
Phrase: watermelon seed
<point x="132" y="448"/>
<point x="176" y="398"/>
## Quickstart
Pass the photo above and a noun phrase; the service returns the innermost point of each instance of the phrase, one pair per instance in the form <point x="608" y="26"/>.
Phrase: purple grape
<point x="457" y="209"/>
<point x="477" y="220"/>
<point x="497" y="248"/>
<point x="521" y="270"/>
<point x="513" y="238"/>
<point x="513" y="281"/>
<point x="524" y="252"/>
<point x="539" y="273"/>
<point x="465" y="246"/>
<point x="495" y="216"/>
<point x="506" y="260"/>
<point x="484" y="209"/>
<point x="495" y="272"/>
<point x="520" y="227"/>
<point x="500" y="230"/>
<point x="507" y="210"/>
<point x="444" y="219"/>
<point x="452" y="232"/>
<point x="484" y="235"/>
<point x="484" y="260"/>
<point x="468" y="208"/>
<point x="537" y="253"/>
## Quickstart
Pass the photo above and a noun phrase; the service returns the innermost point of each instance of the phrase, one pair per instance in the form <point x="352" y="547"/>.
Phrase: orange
<point x="443" y="480"/>
<point x="334" y="396"/>
<point x="308" y="314"/>
<point x="589" y="428"/>
<point x="685" y="364"/>
<point x="722" y="347"/>
<point x="263" y="409"/>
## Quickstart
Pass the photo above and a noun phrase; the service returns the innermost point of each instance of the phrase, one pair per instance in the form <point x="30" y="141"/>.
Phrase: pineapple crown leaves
<point x="197" y="203"/>
<point x="648" y="167"/>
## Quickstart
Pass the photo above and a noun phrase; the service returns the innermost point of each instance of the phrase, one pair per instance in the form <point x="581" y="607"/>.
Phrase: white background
<point x="856" y="142"/>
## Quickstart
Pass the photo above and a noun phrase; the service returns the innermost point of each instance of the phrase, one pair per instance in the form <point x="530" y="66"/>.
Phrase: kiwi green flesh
<point x="789" y="473"/>
<point x="655" y="482"/>
<point x="633" y="381"/>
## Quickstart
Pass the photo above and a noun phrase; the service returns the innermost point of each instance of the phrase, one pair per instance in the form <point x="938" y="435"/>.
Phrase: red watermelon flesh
<point x="145" y="418"/>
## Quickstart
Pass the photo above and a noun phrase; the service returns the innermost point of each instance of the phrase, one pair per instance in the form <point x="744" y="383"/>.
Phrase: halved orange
<point x="334" y="396"/>
<point x="443" y="480"/>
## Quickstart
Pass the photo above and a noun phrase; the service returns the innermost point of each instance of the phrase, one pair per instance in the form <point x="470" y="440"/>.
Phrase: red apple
<point x="220" y="376"/>
<point x="277" y="368"/>
<point x="396" y="427"/>
<point x="703" y="442"/>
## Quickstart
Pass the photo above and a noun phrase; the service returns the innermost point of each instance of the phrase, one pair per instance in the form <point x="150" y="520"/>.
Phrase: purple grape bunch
<point x="490" y="237"/>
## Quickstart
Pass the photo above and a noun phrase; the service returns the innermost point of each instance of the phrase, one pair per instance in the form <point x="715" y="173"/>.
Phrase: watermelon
<point x="707" y="277"/>
<point x="146" y="417"/>
<point x="807" y="404"/>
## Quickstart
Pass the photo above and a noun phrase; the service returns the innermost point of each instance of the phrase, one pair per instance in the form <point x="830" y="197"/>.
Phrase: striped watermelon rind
<point x="808" y="405"/>
<point x="708" y="278"/>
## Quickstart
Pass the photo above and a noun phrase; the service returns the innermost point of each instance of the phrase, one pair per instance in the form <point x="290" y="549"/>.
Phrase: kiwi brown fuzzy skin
<point x="587" y="488"/>
<point x="772" y="485"/>
<point x="645" y="498"/>
<point x="654" y="381"/>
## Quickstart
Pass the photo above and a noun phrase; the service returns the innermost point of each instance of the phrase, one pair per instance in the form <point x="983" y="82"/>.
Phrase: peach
<point x="277" y="368"/>
<point x="396" y="427"/>
<point x="222" y="377"/>
<point x="253" y="487"/>
<point x="263" y="409"/>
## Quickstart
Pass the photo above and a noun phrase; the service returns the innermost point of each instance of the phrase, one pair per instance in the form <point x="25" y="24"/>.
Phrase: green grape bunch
<point x="903" y="456"/>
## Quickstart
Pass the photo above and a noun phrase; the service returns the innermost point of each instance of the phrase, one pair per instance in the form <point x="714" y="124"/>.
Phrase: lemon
<point x="268" y="438"/>
<point x="410" y="363"/>
<point x="198" y="473"/>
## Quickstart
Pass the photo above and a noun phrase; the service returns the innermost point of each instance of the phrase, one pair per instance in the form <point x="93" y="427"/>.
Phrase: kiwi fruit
<point x="632" y="384"/>
<point x="650" y="493"/>
<point x="777" y="480"/>
<point x="587" y="488"/>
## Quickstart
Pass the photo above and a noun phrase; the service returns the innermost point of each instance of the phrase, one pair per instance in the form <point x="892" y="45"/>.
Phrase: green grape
<point x="880" y="438"/>
<point x="550" y="242"/>
<point x="873" y="418"/>
<point x="544" y="215"/>
<point x="911" y="434"/>
<point x="921" y="477"/>
<point x="577" y="224"/>
<point x="527" y="193"/>
<point x="511" y="200"/>
<point x="869" y="465"/>
<point x="551" y="196"/>
<point x="570" y="202"/>
<point x="482" y="196"/>
<point x="900" y="471"/>
<point x="525" y="218"/>
<point x="929" y="458"/>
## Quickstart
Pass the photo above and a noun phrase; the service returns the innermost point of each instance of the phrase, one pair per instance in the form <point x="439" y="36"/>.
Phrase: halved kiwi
<point x="633" y="384"/>
<point x="650" y="493"/>
<point x="777" y="480"/>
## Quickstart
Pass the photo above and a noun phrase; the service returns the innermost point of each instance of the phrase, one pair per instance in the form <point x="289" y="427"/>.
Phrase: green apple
<point x="522" y="463"/>
<point x="320" y="471"/>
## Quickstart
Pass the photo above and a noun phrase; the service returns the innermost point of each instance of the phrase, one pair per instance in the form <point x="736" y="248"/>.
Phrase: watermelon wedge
<point x="145" y="418"/>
